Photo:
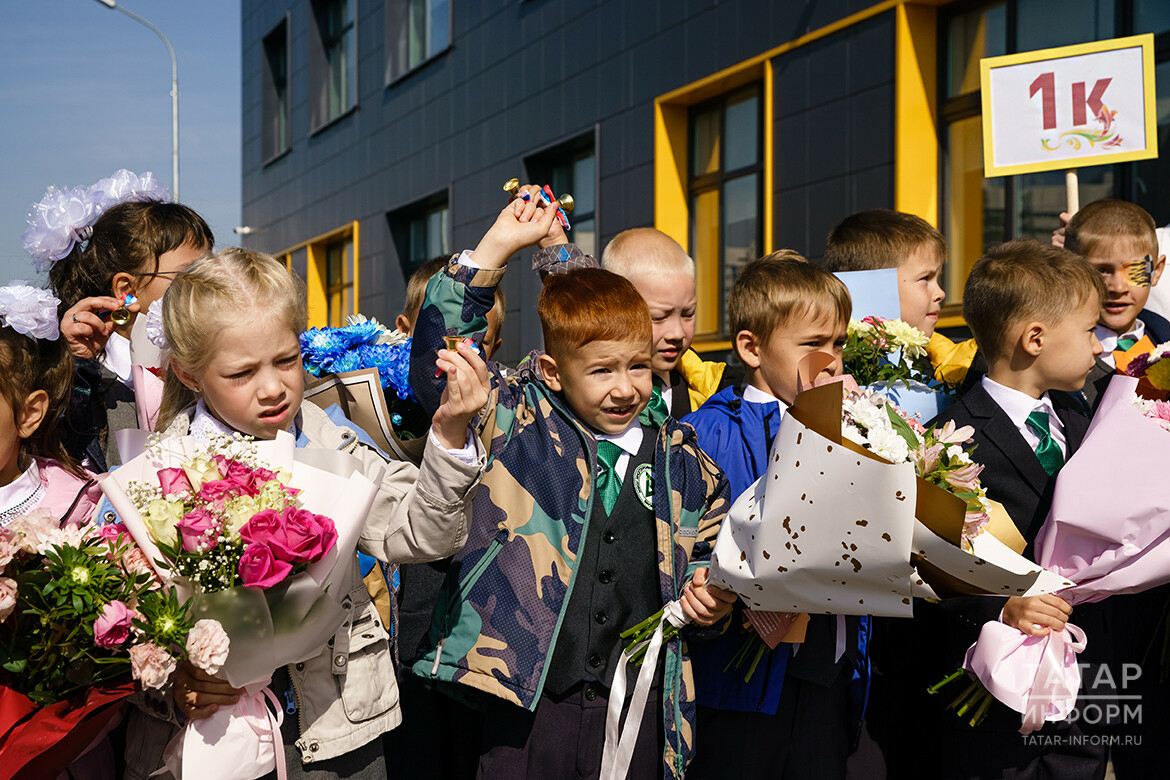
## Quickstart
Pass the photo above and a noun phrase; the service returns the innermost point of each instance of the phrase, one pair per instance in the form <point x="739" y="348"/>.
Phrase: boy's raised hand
<point x="1037" y="615"/>
<point x="521" y="223"/>
<point x="705" y="604"/>
<point x="466" y="393"/>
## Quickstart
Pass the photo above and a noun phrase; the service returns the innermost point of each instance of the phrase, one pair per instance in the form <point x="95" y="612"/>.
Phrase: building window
<point x="333" y="61"/>
<point x="416" y="30"/>
<point x="275" y="101"/>
<point x="332" y="276"/>
<point x="980" y="212"/>
<point x="572" y="168"/>
<point x="421" y="232"/>
<point x="725" y="186"/>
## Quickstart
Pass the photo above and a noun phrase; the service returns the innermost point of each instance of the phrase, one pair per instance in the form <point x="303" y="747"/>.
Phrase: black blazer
<point x="1012" y="474"/>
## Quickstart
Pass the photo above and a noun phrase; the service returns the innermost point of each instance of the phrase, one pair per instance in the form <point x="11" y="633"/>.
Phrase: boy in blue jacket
<point x="792" y="717"/>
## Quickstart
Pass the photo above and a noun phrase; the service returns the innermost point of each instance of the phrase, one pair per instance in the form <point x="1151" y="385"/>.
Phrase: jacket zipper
<point x="302" y="746"/>
<point x="472" y="578"/>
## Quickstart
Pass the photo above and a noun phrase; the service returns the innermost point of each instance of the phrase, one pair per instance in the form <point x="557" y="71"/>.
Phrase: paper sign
<point x="874" y="293"/>
<point x="1056" y="109"/>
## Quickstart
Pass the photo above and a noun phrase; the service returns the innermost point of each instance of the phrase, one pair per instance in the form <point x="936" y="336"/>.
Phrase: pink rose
<point x="8" y="549"/>
<point x="303" y="537"/>
<point x="259" y="569"/>
<point x="150" y="664"/>
<point x="112" y="532"/>
<point x="112" y="628"/>
<point x="207" y="646"/>
<point x="173" y="481"/>
<point x="219" y="490"/>
<point x="249" y="480"/>
<point x="7" y="597"/>
<point x="261" y="526"/>
<point x="200" y="531"/>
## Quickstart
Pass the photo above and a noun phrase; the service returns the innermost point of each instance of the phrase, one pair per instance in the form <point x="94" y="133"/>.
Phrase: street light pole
<point x="174" y="92"/>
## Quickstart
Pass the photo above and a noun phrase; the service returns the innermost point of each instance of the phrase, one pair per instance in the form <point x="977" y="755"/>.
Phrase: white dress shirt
<point x="1019" y="405"/>
<point x="755" y="395"/>
<point x="1109" y="339"/>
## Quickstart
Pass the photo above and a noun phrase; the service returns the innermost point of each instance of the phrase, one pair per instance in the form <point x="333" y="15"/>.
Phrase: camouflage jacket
<point x="497" y="618"/>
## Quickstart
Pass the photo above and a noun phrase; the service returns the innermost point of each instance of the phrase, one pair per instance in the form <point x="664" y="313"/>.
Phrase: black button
<point x="601" y="617"/>
<point x="609" y="537"/>
<point x="590" y="694"/>
<point x="605" y="577"/>
<point x="595" y="660"/>
<point x="300" y="667"/>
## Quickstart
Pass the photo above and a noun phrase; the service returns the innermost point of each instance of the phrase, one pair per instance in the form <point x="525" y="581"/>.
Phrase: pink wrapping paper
<point x="148" y="393"/>
<point x="1108" y="541"/>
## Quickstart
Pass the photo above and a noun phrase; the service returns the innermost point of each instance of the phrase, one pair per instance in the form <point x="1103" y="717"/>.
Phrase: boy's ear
<point x="186" y="378"/>
<point x="1032" y="338"/>
<point x="122" y="284"/>
<point x="548" y="369"/>
<point x="747" y="348"/>
<point x="1159" y="267"/>
<point x="32" y="413"/>
<point x="403" y="324"/>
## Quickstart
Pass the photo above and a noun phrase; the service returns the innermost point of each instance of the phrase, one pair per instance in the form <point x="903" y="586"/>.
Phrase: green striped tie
<point x="1047" y="450"/>
<point x="609" y="484"/>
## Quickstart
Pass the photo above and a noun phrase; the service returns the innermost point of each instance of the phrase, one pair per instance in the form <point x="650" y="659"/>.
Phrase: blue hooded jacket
<point x="738" y="435"/>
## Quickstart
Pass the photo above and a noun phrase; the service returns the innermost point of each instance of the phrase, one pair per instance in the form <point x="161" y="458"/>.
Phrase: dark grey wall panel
<point x="521" y="76"/>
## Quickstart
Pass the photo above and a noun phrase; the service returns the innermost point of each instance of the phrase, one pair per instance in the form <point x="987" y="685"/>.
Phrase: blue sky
<point x="85" y="90"/>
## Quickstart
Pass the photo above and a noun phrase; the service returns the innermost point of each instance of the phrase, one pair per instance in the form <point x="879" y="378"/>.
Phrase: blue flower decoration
<point x="354" y="347"/>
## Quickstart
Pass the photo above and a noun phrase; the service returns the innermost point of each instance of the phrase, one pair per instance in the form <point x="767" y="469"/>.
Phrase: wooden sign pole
<point x="1074" y="193"/>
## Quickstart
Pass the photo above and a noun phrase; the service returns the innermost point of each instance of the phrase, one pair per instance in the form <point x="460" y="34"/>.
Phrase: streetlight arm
<point x="174" y="90"/>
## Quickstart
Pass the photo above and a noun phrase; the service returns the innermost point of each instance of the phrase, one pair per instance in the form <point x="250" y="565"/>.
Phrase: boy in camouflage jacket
<point x="504" y="606"/>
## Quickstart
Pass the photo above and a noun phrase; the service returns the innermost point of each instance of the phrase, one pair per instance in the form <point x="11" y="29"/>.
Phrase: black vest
<point x="616" y="587"/>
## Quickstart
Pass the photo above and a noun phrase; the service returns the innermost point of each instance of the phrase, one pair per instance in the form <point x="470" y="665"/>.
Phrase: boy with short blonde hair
<point x="1033" y="308"/>
<point x="883" y="238"/>
<point x="792" y="717"/>
<point x="1120" y="240"/>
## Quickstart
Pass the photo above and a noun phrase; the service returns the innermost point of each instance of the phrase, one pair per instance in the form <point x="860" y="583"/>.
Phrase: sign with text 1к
<point x="1056" y="109"/>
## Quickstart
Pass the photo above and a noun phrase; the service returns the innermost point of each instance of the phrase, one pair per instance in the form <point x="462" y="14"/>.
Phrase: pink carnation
<point x="259" y="569"/>
<point x="136" y="562"/>
<point x="199" y="530"/>
<point x="303" y="537"/>
<point x="8" y="549"/>
<point x="112" y="628"/>
<point x="207" y="646"/>
<point x="7" y="597"/>
<point x="151" y="665"/>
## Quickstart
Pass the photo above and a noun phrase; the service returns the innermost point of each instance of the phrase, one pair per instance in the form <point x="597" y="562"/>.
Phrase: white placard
<point x="1063" y="108"/>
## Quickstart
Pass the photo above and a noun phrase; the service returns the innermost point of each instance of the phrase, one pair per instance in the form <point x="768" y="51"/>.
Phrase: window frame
<point x="710" y="288"/>
<point x="286" y="107"/>
<point x="537" y="162"/>
<point x="400" y="220"/>
<point x="392" y="75"/>
<point x="320" y="75"/>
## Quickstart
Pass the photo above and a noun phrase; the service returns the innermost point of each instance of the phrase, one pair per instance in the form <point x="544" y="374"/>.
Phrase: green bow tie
<point x="608" y="483"/>
<point x="1047" y="450"/>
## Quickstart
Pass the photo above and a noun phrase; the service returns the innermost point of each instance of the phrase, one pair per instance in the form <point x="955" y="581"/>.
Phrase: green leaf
<point x="902" y="428"/>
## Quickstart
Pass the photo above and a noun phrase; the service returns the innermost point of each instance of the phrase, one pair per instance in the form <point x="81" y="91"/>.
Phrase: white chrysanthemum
<point x="857" y="327"/>
<point x="912" y="341"/>
<point x="884" y="441"/>
<point x="867" y="414"/>
<point x="853" y="434"/>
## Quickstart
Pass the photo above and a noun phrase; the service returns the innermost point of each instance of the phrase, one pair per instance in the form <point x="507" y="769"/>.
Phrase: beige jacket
<point x="347" y="695"/>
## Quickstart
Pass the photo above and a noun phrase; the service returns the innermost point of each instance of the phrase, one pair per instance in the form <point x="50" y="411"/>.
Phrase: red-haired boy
<point x="587" y="521"/>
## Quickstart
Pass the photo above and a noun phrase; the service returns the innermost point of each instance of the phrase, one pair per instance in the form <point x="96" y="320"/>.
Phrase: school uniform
<point x="795" y="717"/>
<point x="935" y="642"/>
